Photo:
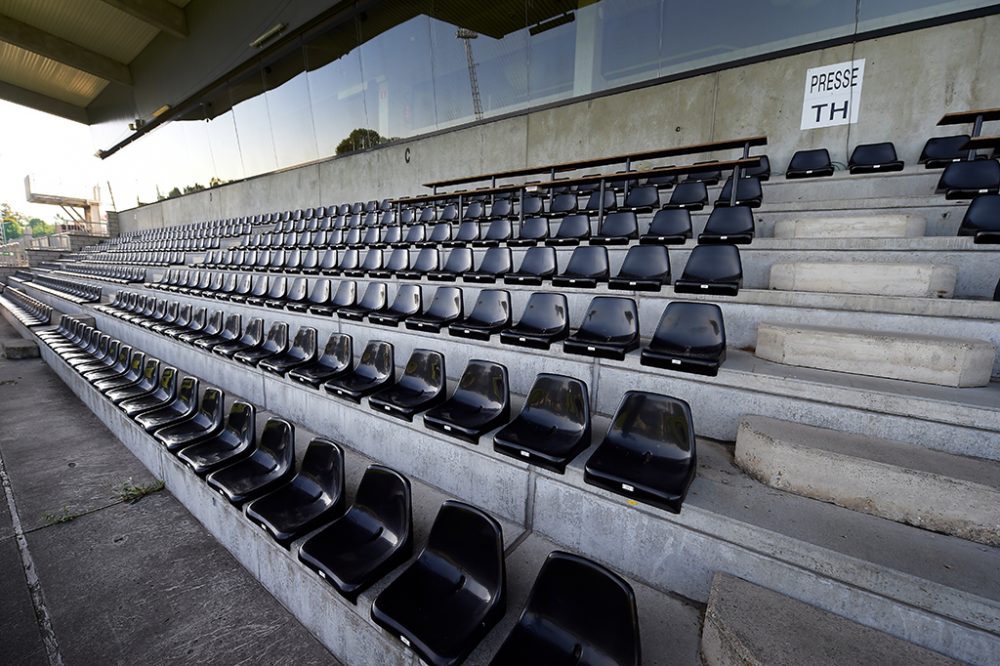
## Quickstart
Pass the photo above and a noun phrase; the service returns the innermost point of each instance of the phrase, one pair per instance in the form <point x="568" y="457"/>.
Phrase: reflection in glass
<point x="253" y="126"/>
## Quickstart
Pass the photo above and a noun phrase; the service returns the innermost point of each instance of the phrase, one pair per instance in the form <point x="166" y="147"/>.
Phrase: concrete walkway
<point x="87" y="577"/>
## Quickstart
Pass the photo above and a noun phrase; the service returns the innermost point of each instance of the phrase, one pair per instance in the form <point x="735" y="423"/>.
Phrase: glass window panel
<point x="335" y="86"/>
<point x="225" y="148"/>
<point x="876" y="14"/>
<point x="289" y="109"/>
<point x="253" y="126"/>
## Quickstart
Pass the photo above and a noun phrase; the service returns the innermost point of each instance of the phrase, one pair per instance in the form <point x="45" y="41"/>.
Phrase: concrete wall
<point x="911" y="79"/>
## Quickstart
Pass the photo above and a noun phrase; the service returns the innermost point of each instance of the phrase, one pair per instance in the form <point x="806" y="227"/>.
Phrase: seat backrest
<point x="590" y="260"/>
<point x="689" y="193"/>
<point x="376" y="360"/>
<point x="694" y="328"/>
<point x="558" y="401"/>
<point x="466" y="541"/>
<point x="304" y="345"/>
<point x="232" y="326"/>
<point x="467" y="231"/>
<point x="714" y="262"/>
<point x="278" y="288"/>
<point x="349" y="260"/>
<point x="459" y="261"/>
<point x="399" y="260"/>
<point x="492" y="306"/>
<point x="277" y="337"/>
<point x="611" y="317"/>
<point x="646" y="262"/>
<point x="424" y="372"/>
<point x="585" y="604"/>
<point x="166" y="387"/>
<point x="373" y="260"/>
<point x="386" y="494"/>
<point x="473" y="211"/>
<point x="408" y="299"/>
<point x="944" y="148"/>
<point x="538" y="261"/>
<point x="594" y="202"/>
<point x="241" y="424"/>
<point x="319" y="292"/>
<point x="374" y="297"/>
<point x="496" y="261"/>
<point x="277" y="442"/>
<point x="440" y="232"/>
<point x="643" y="197"/>
<point x="531" y="205"/>
<point x="347" y="293"/>
<point x="574" y="226"/>
<point x="501" y="208"/>
<point x="563" y="204"/>
<point x="873" y="153"/>
<point x="447" y="303"/>
<point x="730" y="220"/>
<point x="748" y="189"/>
<point x="544" y="311"/>
<point x="213" y="404"/>
<point x="253" y="334"/>
<point x="620" y="225"/>
<point x="261" y="285"/>
<point x="427" y="260"/>
<point x="416" y="234"/>
<point x="982" y="214"/>
<point x="150" y="372"/>
<point x="338" y="352"/>
<point x="534" y="228"/>
<point x="187" y="395"/>
<point x="650" y="424"/>
<point x="323" y="467"/>
<point x="803" y="160"/>
<point x="498" y="230"/>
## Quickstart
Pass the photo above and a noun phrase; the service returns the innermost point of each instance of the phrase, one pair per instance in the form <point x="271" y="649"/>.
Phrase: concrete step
<point x="754" y="626"/>
<point x="957" y="362"/>
<point x="933" y="589"/>
<point x="869" y="226"/>
<point x="915" y="280"/>
<point x="938" y="491"/>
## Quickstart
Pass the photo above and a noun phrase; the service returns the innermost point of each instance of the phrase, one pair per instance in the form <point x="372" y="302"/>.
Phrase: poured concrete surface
<point x="870" y="226"/>
<point x="906" y="280"/>
<point x="749" y="625"/>
<point x="17" y="349"/>
<point x="122" y="583"/>
<point x="957" y="362"/>
<point x="938" y="491"/>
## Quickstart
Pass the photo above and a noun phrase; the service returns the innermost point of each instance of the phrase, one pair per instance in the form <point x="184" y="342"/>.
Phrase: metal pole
<point x="977" y="129"/>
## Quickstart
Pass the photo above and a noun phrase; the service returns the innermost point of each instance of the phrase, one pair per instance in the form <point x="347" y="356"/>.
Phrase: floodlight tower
<point x="477" y="103"/>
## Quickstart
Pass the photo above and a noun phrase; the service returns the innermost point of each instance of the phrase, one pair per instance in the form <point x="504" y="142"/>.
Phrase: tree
<point x="175" y="192"/>
<point x="360" y="139"/>
<point x="13" y="222"/>
<point x="40" y="227"/>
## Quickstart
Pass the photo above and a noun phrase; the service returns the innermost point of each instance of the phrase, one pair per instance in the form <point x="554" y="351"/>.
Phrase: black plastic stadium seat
<point x="965" y="180"/>
<point x="456" y="590"/>
<point x="318" y="296"/>
<point x="499" y="231"/>
<point x="578" y="612"/>
<point x="230" y="332"/>
<point x="234" y="443"/>
<point x="533" y="230"/>
<point x="709" y="175"/>
<point x="371" y="539"/>
<point x="458" y="263"/>
<point x="481" y="402"/>
<point x="748" y="193"/>
<point x="553" y="426"/>
<point x="645" y="268"/>
<point x="445" y="308"/>
<point x="398" y="261"/>
<point x="711" y="269"/>
<point x="691" y="337"/>
<point x="407" y="302"/>
<point x="587" y="267"/>
<point x="538" y="264"/>
<point x="689" y="196"/>
<point x="146" y="384"/>
<point x="762" y="171"/>
<point x="162" y="395"/>
<point x="731" y="226"/>
<point x="302" y="352"/>
<point x="495" y="264"/>
<point x="373" y="300"/>
<point x="642" y="198"/>
<point x="275" y="343"/>
<point x="345" y="296"/>
<point x="130" y="376"/>
<point x="610" y="329"/>
<point x="335" y="361"/>
<point x="545" y="320"/>
<point x="468" y="231"/>
<point x="253" y="337"/>
<point x="617" y="229"/>
<point x="183" y="406"/>
<point x="940" y="151"/>
<point x="670" y="226"/>
<point x="311" y="497"/>
<point x="649" y="451"/>
<point x="421" y="387"/>
<point x="375" y="370"/>
<point x="428" y="260"/>
<point x="572" y="230"/>
<point x="810" y="164"/>
<point x="271" y="464"/>
<point x="874" y="158"/>
<point x="206" y="422"/>
<point x="982" y="219"/>
<point x="490" y="314"/>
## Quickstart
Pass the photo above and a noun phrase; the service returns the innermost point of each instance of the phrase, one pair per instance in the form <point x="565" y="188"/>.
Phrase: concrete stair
<point x="903" y="280"/>
<point x="938" y="491"/>
<point x="871" y="226"/>
<point x="749" y="625"/>
<point x="957" y="362"/>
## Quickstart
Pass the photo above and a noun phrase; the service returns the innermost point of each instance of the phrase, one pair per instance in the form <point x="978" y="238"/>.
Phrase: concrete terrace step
<point x="870" y="226"/>
<point x="730" y="522"/>
<point x="750" y="625"/>
<point x="938" y="491"/>
<point x="915" y="280"/>
<point x="957" y="362"/>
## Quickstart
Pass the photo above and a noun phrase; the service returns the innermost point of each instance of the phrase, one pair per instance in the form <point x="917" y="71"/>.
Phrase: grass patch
<point x="64" y="515"/>
<point x="132" y="492"/>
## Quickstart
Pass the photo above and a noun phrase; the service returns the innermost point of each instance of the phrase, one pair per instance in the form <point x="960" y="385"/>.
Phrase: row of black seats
<point x="134" y="258"/>
<point x="77" y="291"/>
<point x="690" y="337"/>
<point x="865" y="158"/>
<point x="114" y="274"/>
<point x="354" y="548"/>
<point x="27" y="310"/>
<point x="667" y="227"/>
<point x="711" y="269"/>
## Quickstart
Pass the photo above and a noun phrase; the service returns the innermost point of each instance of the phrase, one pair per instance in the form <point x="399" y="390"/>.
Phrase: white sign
<point x="833" y="94"/>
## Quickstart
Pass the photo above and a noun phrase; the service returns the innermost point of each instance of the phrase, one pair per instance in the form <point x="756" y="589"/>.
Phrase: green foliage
<point x="131" y="492"/>
<point x="64" y="515"/>
<point x="360" y="139"/>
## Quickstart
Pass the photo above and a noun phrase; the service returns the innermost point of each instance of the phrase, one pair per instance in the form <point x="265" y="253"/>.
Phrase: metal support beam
<point x="40" y="102"/>
<point x="157" y="13"/>
<point x="43" y="43"/>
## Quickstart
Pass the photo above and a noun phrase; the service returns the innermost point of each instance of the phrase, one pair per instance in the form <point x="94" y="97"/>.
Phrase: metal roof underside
<point x="58" y="55"/>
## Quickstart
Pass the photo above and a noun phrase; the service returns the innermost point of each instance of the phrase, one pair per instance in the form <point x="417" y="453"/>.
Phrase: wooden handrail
<point x="966" y="117"/>
<point x="991" y="141"/>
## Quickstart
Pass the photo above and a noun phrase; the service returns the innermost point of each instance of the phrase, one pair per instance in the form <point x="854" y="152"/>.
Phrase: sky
<point x="58" y="153"/>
